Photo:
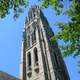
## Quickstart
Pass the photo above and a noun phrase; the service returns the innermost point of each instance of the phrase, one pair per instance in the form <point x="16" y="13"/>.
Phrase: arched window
<point x="35" y="55"/>
<point x="36" y="63"/>
<point x="29" y="59"/>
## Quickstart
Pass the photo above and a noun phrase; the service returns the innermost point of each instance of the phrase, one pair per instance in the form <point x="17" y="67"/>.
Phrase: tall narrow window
<point x="28" y="38"/>
<point x="29" y="67"/>
<point x="28" y="41"/>
<point x="36" y="64"/>
<point x="35" y="55"/>
<point x="33" y="33"/>
<point x="29" y="59"/>
<point x="33" y="37"/>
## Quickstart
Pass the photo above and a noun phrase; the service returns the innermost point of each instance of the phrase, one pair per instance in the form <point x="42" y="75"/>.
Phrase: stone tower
<point x="40" y="59"/>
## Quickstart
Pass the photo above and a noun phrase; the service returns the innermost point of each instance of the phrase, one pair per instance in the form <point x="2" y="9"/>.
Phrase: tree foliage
<point x="57" y="5"/>
<point x="15" y="5"/>
<point x="70" y="31"/>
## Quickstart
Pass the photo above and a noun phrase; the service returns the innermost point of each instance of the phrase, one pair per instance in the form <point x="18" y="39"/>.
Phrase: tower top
<point x="34" y="12"/>
<point x="34" y="7"/>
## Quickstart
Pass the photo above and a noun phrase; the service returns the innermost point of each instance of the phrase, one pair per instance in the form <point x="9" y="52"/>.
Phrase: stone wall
<point x="6" y="76"/>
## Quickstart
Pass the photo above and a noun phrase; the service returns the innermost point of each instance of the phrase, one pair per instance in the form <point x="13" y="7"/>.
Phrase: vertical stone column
<point x="21" y="63"/>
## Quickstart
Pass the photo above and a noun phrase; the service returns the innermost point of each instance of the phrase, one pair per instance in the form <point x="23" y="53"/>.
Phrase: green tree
<point x="16" y="5"/>
<point x="70" y="31"/>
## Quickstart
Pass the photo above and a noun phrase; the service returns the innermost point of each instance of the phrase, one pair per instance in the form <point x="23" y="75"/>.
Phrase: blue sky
<point x="11" y="37"/>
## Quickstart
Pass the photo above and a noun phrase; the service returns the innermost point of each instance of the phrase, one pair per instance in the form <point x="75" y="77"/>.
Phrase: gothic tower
<point x="40" y="59"/>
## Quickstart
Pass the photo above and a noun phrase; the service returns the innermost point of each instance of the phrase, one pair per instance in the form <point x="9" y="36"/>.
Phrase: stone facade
<point x="40" y="59"/>
<point x="6" y="76"/>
